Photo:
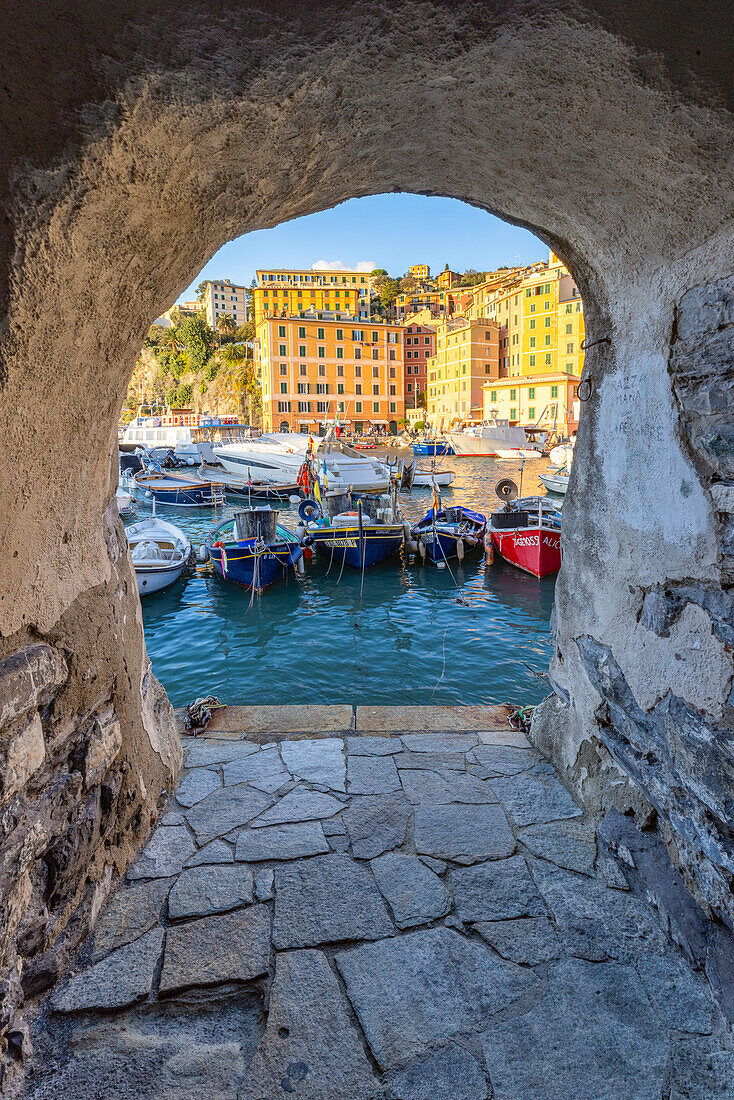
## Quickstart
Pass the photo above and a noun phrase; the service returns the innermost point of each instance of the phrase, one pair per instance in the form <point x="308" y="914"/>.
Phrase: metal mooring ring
<point x="585" y="389"/>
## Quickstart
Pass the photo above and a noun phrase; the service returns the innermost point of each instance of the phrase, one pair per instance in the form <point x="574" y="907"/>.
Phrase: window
<point x="376" y="406"/>
<point x="493" y="396"/>
<point x="569" y="329"/>
<point x="357" y="387"/>
<point x="357" y="353"/>
<point x="532" y="360"/>
<point x="392" y="391"/>
<point x="532" y="322"/>
<point x="282" y="350"/>
<point x="392" y="372"/>
<point x="302" y="369"/>
<point x="547" y="322"/>
<point x="340" y="370"/>
<point x="375" y="391"/>
<point x="375" y="353"/>
<point x="358" y="370"/>
<point x="284" y="387"/>
<point x="358" y="404"/>
<point x="532" y="341"/>
<point x="303" y="406"/>
<point x="283" y="407"/>
<point x="322" y="353"/>
<point x="320" y="387"/>
<point x="569" y="308"/>
<point x="375" y="372"/>
<point x="410" y="387"/>
<point x="340" y="353"/>
<point x="409" y="355"/>
<point x="513" y="395"/>
<point x="554" y="391"/>
<point x="321" y="406"/>
<point x="319" y="334"/>
<point x="375" y="337"/>
<point x="569" y="349"/>
<point x="340" y="387"/>
<point x="515" y="338"/>
<point x="322" y="370"/>
<point x="340" y="334"/>
<point x="513" y="414"/>
<point x="281" y="331"/>
<point x="548" y="359"/>
<point x="302" y="388"/>
<point x="488" y="336"/>
<point x="532" y="307"/>
<point x="393" y="407"/>
<point x="569" y="368"/>
<point x="391" y="354"/>
<point x="547" y="341"/>
<point x="283" y="368"/>
<point x="531" y="393"/>
<point x="357" y="335"/>
<point x="302" y="350"/>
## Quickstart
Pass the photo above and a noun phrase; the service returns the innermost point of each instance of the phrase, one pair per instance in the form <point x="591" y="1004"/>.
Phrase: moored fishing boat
<point x="518" y="452"/>
<point x="244" y="490"/>
<point x="448" y="533"/>
<point x="557" y="476"/>
<point x="358" y="536"/>
<point x="252" y="549"/>
<point x="159" y="553"/>
<point x="177" y="490"/>
<point x="527" y="533"/>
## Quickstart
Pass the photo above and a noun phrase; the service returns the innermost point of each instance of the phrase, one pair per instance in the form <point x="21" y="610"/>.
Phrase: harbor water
<point x="409" y="634"/>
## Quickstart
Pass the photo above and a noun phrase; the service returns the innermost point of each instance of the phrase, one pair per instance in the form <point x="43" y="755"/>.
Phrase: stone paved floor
<point x="371" y="914"/>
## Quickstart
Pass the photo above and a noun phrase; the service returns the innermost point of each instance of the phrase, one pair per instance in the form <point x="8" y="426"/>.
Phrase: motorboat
<point x="411" y="477"/>
<point x="191" y="437"/>
<point x="488" y="438"/>
<point x="557" y="476"/>
<point x="280" y="457"/>
<point x="244" y="490"/>
<point x="448" y="533"/>
<point x="517" y="453"/>
<point x="360" y="536"/>
<point x="125" y="502"/>
<point x="526" y="532"/>
<point x="159" y="553"/>
<point x="179" y="490"/>
<point x="432" y="447"/>
<point x="252" y="549"/>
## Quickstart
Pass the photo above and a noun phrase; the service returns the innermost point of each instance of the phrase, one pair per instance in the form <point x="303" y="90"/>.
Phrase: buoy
<point x="190" y="461"/>
<point x="294" y="499"/>
<point x="148" y="493"/>
<point x="412" y="546"/>
<point x="421" y="549"/>
<point x="460" y="549"/>
<point x="440" y="565"/>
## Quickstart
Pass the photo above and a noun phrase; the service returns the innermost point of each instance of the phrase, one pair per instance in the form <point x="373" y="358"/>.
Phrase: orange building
<point x="419" y="345"/>
<point x="280" y="293"/>
<point x="316" y="368"/>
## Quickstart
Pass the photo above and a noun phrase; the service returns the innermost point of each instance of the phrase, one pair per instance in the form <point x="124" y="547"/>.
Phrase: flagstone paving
<point x="398" y="915"/>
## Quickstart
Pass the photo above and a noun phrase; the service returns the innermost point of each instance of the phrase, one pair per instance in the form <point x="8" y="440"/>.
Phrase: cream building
<point x="224" y="297"/>
<point x="467" y="355"/>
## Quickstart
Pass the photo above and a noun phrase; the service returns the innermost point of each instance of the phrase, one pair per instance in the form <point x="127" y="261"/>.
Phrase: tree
<point x="388" y="291"/>
<point x="158" y="335"/>
<point x="377" y="272"/>
<point x="408" y="284"/>
<point x="226" y="325"/>
<point x="197" y="338"/>
<point x="471" y="277"/>
<point x="233" y="353"/>
<point x="179" y="397"/>
<point x="245" y="334"/>
<point x="201" y="290"/>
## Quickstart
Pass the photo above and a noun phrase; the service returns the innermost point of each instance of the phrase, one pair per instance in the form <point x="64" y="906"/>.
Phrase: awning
<point x="372" y="420"/>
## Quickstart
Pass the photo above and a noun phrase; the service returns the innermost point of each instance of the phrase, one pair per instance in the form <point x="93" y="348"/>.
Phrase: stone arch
<point x="139" y="142"/>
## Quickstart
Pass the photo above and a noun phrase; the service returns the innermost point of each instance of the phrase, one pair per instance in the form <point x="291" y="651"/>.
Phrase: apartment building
<point x="419" y="345"/>
<point x="224" y="297"/>
<point x="547" y="401"/>
<point x="292" y="291"/>
<point x="317" y="367"/>
<point x="440" y="304"/>
<point x="419" y="271"/>
<point x="467" y="356"/>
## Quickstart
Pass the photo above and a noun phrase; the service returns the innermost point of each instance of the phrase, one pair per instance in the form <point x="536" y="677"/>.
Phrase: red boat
<point x="527" y="533"/>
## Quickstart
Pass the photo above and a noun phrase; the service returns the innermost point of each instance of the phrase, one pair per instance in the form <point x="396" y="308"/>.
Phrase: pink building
<point x="419" y="343"/>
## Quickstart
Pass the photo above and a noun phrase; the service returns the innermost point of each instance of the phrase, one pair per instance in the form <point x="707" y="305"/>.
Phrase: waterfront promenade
<point x="376" y="902"/>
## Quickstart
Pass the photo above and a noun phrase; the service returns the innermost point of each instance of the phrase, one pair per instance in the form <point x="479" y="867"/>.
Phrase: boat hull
<point x="437" y="448"/>
<point x="441" y="539"/>
<point x="238" y="563"/>
<point x="152" y="579"/>
<point x="177" y="493"/>
<point x="535" y="551"/>
<point x="486" y="442"/>
<point x="342" y="544"/>
<point x="442" y="479"/>
<point x="555" y="483"/>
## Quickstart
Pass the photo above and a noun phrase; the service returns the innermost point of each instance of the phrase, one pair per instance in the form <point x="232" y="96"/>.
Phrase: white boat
<point x="279" y="457"/>
<point x="423" y="479"/>
<point x="159" y="552"/>
<point x="125" y="502"/>
<point x="487" y="438"/>
<point x="517" y="452"/>
<point x="190" y="437"/>
<point x="556" y="477"/>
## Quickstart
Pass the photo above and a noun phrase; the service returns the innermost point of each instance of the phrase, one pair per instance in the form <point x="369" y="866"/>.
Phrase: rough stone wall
<point x="138" y="138"/>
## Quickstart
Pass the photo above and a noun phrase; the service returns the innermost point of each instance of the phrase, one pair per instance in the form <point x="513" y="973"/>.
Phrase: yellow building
<point x="541" y="319"/>
<point x="439" y="303"/>
<point x="224" y="297"/>
<point x="318" y="367"/>
<point x="280" y="293"/>
<point x="446" y="278"/>
<point x="547" y="401"/>
<point x="467" y="355"/>
<point x="420" y="271"/>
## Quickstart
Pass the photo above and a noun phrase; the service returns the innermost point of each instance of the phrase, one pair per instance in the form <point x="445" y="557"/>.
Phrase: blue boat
<point x="450" y="534"/>
<point x="179" y="491"/>
<point x="257" y="560"/>
<point x="433" y="447"/>
<point x="359" y="537"/>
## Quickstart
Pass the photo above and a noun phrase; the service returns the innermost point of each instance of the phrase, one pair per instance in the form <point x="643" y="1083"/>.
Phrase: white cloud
<point x="337" y="265"/>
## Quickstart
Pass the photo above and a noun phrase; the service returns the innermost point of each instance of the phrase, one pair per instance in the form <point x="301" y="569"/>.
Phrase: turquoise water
<point x="414" y="635"/>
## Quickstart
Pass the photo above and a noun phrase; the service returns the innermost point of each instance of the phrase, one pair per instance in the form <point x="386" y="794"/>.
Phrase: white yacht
<point x="278" y="457"/>
<point x="488" y="438"/>
<point x="190" y="437"/>
<point x="159" y="552"/>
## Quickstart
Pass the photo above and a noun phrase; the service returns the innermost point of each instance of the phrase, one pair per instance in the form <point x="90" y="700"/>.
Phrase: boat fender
<point x="308" y="509"/>
<point x="489" y="548"/>
<point x="293" y="498"/>
<point x="190" y="461"/>
<point x="440" y="565"/>
<point x="300" y="532"/>
<point x="148" y="493"/>
<point x="412" y="546"/>
<point x="202" y="554"/>
<point x="422" y="548"/>
<point x="460" y="549"/>
<point x="307" y="540"/>
<point x="301" y="565"/>
<point x="471" y="541"/>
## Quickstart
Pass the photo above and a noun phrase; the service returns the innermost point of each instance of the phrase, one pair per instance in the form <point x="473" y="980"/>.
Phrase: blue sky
<point x="390" y="231"/>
